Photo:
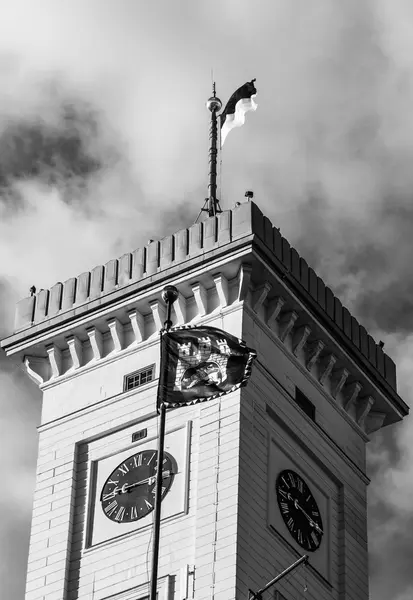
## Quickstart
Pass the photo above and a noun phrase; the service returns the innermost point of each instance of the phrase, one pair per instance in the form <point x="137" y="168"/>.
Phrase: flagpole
<point x="169" y="295"/>
<point x="214" y="105"/>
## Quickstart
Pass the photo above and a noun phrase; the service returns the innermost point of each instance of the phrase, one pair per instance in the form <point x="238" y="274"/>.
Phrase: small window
<point x="304" y="403"/>
<point x="138" y="378"/>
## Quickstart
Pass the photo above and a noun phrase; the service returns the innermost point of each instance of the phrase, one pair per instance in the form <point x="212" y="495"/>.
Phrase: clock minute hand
<point x="149" y="480"/>
<point x="312" y="522"/>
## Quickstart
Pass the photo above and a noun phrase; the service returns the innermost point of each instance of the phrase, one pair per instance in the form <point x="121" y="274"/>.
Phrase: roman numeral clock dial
<point x="129" y="492"/>
<point x="299" y="510"/>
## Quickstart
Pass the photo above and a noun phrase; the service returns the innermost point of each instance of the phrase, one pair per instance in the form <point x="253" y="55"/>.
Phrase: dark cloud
<point x="65" y="145"/>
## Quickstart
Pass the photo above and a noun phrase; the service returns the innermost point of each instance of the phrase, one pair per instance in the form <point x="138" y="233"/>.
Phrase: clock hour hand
<point x="311" y="521"/>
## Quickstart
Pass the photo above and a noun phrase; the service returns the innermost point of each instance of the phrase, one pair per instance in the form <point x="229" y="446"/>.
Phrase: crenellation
<point x="167" y="251"/>
<point x="181" y="245"/>
<point x="125" y="269"/>
<point x="138" y="264"/>
<point x="41" y="306"/>
<point x="371" y="350"/>
<point x="152" y="253"/>
<point x="312" y="283"/>
<point x="209" y="233"/>
<point x="96" y="282"/>
<point x="111" y="275"/>
<point x="83" y="287"/>
<point x="55" y="300"/>
<point x="195" y="239"/>
<point x="304" y="273"/>
<point x="224" y="227"/>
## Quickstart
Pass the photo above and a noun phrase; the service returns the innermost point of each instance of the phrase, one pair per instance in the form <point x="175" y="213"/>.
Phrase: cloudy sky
<point x="103" y="127"/>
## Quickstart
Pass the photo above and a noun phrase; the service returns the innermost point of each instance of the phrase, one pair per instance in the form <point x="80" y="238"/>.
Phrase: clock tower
<point x="251" y="481"/>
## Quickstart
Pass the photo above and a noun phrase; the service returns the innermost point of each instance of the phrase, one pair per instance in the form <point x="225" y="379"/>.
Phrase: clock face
<point x="299" y="510"/>
<point x="129" y="492"/>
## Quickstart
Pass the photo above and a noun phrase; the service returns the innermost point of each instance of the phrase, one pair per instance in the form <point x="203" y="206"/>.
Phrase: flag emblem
<point x="241" y="102"/>
<point x="201" y="363"/>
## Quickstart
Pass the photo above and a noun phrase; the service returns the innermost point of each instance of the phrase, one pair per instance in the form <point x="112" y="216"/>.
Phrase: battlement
<point x="216" y="236"/>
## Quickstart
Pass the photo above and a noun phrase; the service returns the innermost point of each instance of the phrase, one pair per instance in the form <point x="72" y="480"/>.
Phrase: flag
<point x="240" y="102"/>
<point x="201" y="363"/>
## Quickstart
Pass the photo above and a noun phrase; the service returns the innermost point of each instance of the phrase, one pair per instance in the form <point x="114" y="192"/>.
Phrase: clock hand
<point x="149" y="480"/>
<point x="311" y="521"/>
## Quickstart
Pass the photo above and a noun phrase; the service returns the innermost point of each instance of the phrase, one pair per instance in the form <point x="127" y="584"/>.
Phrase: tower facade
<point x="252" y="480"/>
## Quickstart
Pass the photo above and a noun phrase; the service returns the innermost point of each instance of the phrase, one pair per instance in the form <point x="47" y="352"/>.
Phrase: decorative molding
<point x="96" y="342"/>
<point x="221" y="284"/>
<point x="55" y="358"/>
<point x="338" y="379"/>
<point x="374" y="421"/>
<point x="158" y="313"/>
<point x="180" y="309"/>
<point x="363" y="408"/>
<point x="287" y="321"/>
<point x="327" y="367"/>
<point x="300" y="338"/>
<point x="37" y="368"/>
<point x="116" y="331"/>
<point x="259" y="296"/>
<point x="76" y="350"/>
<point x="244" y="281"/>
<point x="351" y="391"/>
<point x="138" y="325"/>
<point x="314" y="354"/>
<point x="201" y="298"/>
<point x="273" y="311"/>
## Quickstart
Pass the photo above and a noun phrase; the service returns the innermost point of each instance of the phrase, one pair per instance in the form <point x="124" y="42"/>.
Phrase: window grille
<point x="138" y="378"/>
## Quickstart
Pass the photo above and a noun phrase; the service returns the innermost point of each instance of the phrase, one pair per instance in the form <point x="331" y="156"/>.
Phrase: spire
<point x="214" y="105"/>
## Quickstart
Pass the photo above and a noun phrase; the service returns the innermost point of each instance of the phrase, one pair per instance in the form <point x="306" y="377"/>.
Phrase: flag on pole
<point x="201" y="363"/>
<point x="240" y="103"/>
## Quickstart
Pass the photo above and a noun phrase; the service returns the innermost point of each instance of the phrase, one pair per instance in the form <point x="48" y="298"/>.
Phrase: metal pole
<point x="257" y="595"/>
<point x="169" y="295"/>
<point x="214" y="105"/>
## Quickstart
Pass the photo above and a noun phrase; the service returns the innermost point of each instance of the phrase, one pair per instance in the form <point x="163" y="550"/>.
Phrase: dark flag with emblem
<point x="201" y="363"/>
<point x="241" y="101"/>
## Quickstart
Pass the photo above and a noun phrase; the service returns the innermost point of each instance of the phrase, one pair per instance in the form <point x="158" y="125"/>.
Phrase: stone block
<point x="195" y="239"/>
<point x="210" y="232"/>
<point x="304" y="274"/>
<point x="247" y="219"/>
<point x="181" y="245"/>
<point x="364" y="346"/>
<point x="111" y="275"/>
<point x="286" y="256"/>
<point x="277" y="243"/>
<point x="338" y="313"/>
<point x="312" y="283"/>
<point x="330" y="303"/>
<point x="224" y="227"/>
<point x="268" y="235"/>
<point x="152" y="257"/>
<point x="347" y="322"/>
<point x="138" y="258"/>
<point x="69" y="293"/>
<point x="96" y="282"/>
<point x="166" y="251"/>
<point x="380" y="360"/>
<point x="371" y="350"/>
<point x="55" y="300"/>
<point x="321" y="293"/>
<point x="42" y="302"/>
<point x="355" y="331"/>
<point x="295" y="263"/>
<point x="124" y="269"/>
<point x="390" y="371"/>
<point x="82" y="288"/>
<point x="24" y="312"/>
